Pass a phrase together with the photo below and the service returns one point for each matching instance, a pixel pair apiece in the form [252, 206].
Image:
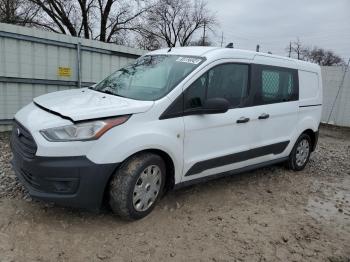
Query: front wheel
[137, 185]
[300, 154]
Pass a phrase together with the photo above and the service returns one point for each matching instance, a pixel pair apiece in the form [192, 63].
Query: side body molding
[237, 157]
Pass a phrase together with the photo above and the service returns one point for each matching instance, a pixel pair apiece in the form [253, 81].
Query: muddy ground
[268, 215]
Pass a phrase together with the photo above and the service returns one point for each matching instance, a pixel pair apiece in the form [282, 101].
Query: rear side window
[229, 81]
[275, 85]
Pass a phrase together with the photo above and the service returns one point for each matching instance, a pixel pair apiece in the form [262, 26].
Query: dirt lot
[268, 215]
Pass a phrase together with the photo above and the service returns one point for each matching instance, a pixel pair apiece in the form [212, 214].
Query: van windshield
[150, 77]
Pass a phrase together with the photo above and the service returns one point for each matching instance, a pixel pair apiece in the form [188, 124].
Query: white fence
[336, 95]
[34, 62]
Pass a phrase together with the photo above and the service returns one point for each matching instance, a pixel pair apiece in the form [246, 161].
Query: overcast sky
[273, 23]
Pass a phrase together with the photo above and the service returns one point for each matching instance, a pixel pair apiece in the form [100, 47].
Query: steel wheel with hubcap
[300, 154]
[137, 185]
[147, 188]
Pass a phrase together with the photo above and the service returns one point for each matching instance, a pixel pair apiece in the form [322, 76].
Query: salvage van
[173, 118]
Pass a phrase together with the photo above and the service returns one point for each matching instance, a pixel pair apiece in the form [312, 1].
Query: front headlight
[82, 131]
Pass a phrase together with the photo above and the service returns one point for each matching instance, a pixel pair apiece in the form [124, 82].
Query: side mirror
[215, 106]
[210, 106]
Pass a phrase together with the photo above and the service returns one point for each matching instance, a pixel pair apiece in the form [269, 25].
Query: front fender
[122, 142]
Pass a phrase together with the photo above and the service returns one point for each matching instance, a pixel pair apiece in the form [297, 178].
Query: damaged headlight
[82, 131]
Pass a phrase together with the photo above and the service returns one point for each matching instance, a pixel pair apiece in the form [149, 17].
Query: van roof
[213, 53]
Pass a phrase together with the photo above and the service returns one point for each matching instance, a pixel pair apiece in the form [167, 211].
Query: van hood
[84, 104]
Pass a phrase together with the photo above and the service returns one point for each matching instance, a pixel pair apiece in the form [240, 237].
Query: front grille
[22, 141]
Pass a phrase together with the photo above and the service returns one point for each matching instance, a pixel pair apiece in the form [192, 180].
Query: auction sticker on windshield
[189, 60]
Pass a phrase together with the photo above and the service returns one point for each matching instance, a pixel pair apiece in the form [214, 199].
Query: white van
[173, 118]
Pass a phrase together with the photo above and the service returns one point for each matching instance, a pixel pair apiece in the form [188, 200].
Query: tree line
[314, 54]
[150, 24]
[146, 24]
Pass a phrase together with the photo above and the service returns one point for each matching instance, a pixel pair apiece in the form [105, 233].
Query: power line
[277, 47]
[277, 37]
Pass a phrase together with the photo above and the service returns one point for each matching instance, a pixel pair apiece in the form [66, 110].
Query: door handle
[264, 116]
[242, 120]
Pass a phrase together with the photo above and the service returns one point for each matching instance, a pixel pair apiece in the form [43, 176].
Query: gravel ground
[271, 214]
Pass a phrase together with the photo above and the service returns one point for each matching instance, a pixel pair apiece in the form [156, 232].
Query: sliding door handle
[242, 120]
[264, 116]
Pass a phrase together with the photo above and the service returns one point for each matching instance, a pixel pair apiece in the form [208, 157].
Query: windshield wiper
[109, 92]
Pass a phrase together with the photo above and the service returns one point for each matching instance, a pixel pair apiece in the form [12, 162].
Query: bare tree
[315, 55]
[176, 21]
[197, 17]
[62, 16]
[147, 42]
[163, 21]
[157, 22]
[19, 12]
[322, 57]
[297, 49]
[86, 7]
[105, 20]
[118, 15]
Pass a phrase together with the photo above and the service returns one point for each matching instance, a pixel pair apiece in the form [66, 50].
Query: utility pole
[203, 40]
[257, 48]
[222, 38]
[290, 49]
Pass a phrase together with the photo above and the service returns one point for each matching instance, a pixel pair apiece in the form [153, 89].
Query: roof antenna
[230, 45]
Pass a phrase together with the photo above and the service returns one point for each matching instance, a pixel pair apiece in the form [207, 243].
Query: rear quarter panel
[310, 100]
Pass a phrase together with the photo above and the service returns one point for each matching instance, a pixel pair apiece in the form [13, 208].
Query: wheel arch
[169, 163]
[310, 126]
[313, 136]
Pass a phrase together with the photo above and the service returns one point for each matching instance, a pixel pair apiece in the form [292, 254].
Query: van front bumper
[67, 181]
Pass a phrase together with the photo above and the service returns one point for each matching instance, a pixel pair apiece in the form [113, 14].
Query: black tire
[292, 162]
[121, 188]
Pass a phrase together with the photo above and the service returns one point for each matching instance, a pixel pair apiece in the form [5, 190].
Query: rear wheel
[137, 185]
[300, 154]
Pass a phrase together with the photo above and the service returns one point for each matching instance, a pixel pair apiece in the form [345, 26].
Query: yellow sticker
[65, 71]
